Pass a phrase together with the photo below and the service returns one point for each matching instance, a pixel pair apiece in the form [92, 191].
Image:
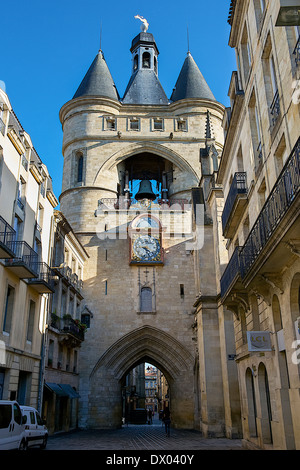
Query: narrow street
[139, 438]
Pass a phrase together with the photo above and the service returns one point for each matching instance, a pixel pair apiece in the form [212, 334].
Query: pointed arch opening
[144, 345]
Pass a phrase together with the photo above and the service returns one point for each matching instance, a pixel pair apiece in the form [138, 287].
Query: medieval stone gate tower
[136, 169]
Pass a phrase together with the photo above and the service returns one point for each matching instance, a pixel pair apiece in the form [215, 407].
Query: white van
[35, 431]
[12, 428]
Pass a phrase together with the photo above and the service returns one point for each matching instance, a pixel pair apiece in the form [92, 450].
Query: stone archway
[146, 343]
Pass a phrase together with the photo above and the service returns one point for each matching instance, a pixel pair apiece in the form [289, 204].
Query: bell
[145, 191]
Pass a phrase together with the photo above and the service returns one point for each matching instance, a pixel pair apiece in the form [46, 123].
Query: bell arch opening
[146, 175]
[146, 393]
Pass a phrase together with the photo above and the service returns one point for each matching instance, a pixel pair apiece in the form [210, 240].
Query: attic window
[134, 124]
[157, 124]
[181, 124]
[146, 60]
[110, 123]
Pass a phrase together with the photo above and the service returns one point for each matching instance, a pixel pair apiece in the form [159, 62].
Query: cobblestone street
[139, 438]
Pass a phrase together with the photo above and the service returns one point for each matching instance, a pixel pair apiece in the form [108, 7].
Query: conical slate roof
[98, 80]
[191, 83]
[144, 87]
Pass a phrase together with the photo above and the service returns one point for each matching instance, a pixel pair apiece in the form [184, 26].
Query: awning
[62, 390]
[69, 390]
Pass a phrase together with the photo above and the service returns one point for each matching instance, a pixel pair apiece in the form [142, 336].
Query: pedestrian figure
[150, 416]
[167, 421]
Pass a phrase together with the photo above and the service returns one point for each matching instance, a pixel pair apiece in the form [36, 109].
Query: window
[279, 155]
[262, 194]
[110, 123]
[18, 227]
[86, 319]
[146, 299]
[255, 131]
[30, 325]
[134, 124]
[181, 290]
[157, 124]
[80, 169]
[259, 7]
[181, 124]
[8, 310]
[146, 60]
[246, 54]
[50, 352]
[271, 86]
[135, 62]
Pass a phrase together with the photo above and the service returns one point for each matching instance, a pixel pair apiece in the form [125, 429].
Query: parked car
[12, 428]
[35, 430]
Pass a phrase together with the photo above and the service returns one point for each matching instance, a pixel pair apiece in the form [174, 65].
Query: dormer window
[158, 124]
[134, 124]
[110, 123]
[181, 125]
[146, 60]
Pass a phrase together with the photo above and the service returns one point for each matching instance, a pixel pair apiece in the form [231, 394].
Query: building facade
[136, 178]
[259, 173]
[26, 229]
[68, 319]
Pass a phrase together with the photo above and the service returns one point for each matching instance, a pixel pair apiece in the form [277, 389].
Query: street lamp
[289, 13]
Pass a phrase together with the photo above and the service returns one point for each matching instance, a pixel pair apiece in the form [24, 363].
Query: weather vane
[144, 25]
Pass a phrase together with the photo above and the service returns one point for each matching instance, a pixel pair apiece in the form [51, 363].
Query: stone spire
[98, 80]
[144, 86]
[191, 83]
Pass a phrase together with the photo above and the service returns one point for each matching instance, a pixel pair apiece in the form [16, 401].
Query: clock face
[146, 248]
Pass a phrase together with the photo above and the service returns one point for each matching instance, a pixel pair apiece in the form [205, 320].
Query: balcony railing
[280, 199]
[231, 272]
[44, 282]
[25, 261]
[238, 186]
[7, 238]
[72, 278]
[123, 203]
[68, 325]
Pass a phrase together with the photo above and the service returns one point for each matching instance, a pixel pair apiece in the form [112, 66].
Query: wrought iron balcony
[7, 238]
[235, 203]
[72, 279]
[24, 264]
[71, 330]
[70, 326]
[133, 204]
[281, 198]
[231, 273]
[44, 282]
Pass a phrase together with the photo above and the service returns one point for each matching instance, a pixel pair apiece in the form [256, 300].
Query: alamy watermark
[177, 221]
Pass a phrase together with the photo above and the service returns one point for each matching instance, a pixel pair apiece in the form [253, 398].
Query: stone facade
[26, 228]
[259, 172]
[171, 139]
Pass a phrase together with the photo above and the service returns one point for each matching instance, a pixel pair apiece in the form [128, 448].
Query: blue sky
[47, 47]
